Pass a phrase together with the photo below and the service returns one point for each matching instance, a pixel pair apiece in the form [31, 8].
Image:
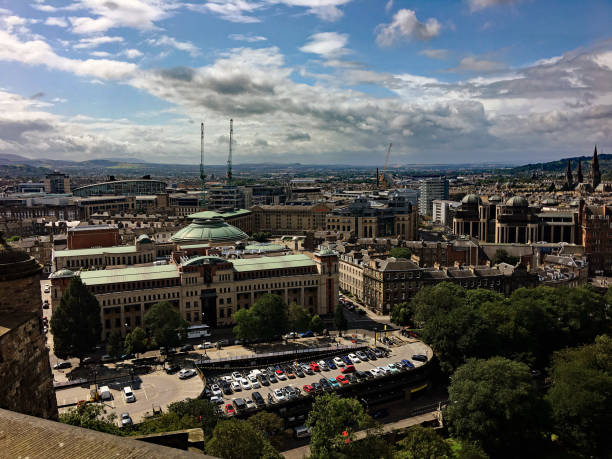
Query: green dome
[210, 230]
[144, 239]
[471, 199]
[517, 201]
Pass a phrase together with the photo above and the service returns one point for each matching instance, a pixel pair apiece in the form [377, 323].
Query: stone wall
[21, 295]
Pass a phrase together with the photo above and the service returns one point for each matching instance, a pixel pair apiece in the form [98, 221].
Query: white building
[432, 189]
[441, 211]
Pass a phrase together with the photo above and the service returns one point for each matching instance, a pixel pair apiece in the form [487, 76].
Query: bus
[198, 331]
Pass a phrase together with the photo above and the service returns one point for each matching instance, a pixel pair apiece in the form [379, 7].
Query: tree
[495, 404]
[267, 319]
[135, 341]
[402, 314]
[165, 422]
[316, 324]
[236, 439]
[299, 318]
[328, 419]
[580, 397]
[166, 325]
[261, 236]
[339, 319]
[502, 256]
[114, 344]
[270, 425]
[202, 410]
[91, 416]
[400, 252]
[422, 443]
[75, 323]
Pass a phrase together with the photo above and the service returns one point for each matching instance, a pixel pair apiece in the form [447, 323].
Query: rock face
[26, 380]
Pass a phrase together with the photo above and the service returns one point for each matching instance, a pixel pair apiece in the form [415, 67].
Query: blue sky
[314, 81]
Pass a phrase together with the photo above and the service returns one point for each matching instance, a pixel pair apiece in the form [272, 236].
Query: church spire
[569, 180]
[594, 174]
[579, 175]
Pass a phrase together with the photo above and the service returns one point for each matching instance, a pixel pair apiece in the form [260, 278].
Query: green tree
[267, 319]
[91, 416]
[165, 422]
[299, 318]
[339, 319]
[316, 324]
[202, 410]
[462, 450]
[166, 325]
[135, 341]
[75, 323]
[328, 419]
[114, 344]
[402, 314]
[423, 443]
[236, 439]
[502, 256]
[270, 425]
[261, 236]
[495, 404]
[581, 397]
[400, 252]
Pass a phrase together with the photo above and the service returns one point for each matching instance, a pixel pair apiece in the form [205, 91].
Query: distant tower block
[202, 175]
[229, 159]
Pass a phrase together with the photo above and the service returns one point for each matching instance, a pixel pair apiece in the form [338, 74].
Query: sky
[309, 81]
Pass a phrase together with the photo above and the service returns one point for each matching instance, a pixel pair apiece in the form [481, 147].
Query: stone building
[279, 220]
[595, 235]
[85, 237]
[26, 381]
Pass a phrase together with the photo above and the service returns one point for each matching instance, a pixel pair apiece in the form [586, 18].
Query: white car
[384, 370]
[249, 403]
[338, 361]
[354, 358]
[216, 390]
[245, 384]
[236, 386]
[47, 288]
[281, 376]
[322, 365]
[186, 373]
[375, 372]
[254, 382]
[237, 376]
[216, 400]
[279, 395]
[206, 345]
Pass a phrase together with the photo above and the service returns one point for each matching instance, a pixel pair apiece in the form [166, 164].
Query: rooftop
[134, 274]
[263, 263]
[92, 227]
[94, 251]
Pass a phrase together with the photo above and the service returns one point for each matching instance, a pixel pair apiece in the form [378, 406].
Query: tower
[569, 180]
[202, 175]
[594, 174]
[579, 176]
[229, 159]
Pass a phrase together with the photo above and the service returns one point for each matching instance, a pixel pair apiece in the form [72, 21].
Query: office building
[432, 189]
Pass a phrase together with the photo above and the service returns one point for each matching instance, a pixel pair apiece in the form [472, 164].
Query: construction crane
[229, 159]
[382, 176]
[202, 175]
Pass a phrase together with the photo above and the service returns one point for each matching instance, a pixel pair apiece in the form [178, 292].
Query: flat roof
[134, 274]
[94, 251]
[93, 227]
[264, 263]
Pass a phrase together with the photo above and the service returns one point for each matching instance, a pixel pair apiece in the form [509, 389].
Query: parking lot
[397, 353]
[156, 388]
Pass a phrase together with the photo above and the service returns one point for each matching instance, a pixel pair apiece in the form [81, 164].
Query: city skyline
[309, 81]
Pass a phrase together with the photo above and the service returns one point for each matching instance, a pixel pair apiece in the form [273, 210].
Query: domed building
[467, 217]
[212, 230]
[516, 222]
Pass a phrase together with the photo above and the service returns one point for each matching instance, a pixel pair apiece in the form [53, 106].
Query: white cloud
[327, 44]
[165, 40]
[56, 21]
[477, 5]
[476, 65]
[38, 52]
[435, 53]
[101, 54]
[405, 25]
[230, 10]
[131, 53]
[247, 38]
[389, 6]
[326, 10]
[94, 42]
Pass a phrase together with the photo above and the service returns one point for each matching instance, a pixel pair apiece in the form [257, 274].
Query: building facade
[290, 219]
[122, 188]
[432, 189]
[57, 183]
[596, 236]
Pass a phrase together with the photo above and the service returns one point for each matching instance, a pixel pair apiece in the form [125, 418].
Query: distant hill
[559, 166]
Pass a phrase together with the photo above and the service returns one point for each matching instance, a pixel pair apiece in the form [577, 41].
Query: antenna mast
[202, 175]
[229, 160]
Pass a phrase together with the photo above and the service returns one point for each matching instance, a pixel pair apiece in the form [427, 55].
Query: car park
[338, 361]
[186, 373]
[419, 357]
[126, 420]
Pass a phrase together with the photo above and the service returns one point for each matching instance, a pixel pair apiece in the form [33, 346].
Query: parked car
[376, 372]
[338, 361]
[229, 409]
[331, 364]
[361, 375]
[280, 374]
[126, 420]
[393, 368]
[128, 394]
[216, 400]
[324, 384]
[216, 390]
[240, 404]
[105, 393]
[317, 387]
[314, 366]
[172, 368]
[299, 373]
[87, 361]
[307, 334]
[45, 305]
[206, 345]
[308, 388]
[419, 357]
[362, 356]
[306, 369]
[382, 413]
[186, 373]
[254, 381]
[354, 358]
[187, 348]
[348, 369]
[279, 395]
[235, 385]
[244, 383]
[250, 404]
[62, 365]
[225, 386]
[323, 365]
[332, 382]
[258, 399]
[342, 379]
[272, 378]
[347, 360]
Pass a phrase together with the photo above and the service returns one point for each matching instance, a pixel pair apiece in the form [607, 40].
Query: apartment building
[290, 219]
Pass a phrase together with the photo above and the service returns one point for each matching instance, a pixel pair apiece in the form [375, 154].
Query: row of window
[137, 299]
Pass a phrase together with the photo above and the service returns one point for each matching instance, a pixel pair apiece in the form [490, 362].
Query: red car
[348, 369]
[308, 388]
[315, 366]
[229, 409]
[342, 380]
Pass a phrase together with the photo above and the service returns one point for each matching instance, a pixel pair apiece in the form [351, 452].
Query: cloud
[405, 25]
[435, 53]
[389, 6]
[471, 64]
[327, 44]
[56, 21]
[38, 95]
[131, 53]
[166, 41]
[326, 10]
[230, 10]
[38, 52]
[298, 137]
[478, 5]
[94, 42]
[247, 38]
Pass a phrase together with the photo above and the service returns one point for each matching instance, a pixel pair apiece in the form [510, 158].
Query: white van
[105, 393]
[301, 432]
[128, 394]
